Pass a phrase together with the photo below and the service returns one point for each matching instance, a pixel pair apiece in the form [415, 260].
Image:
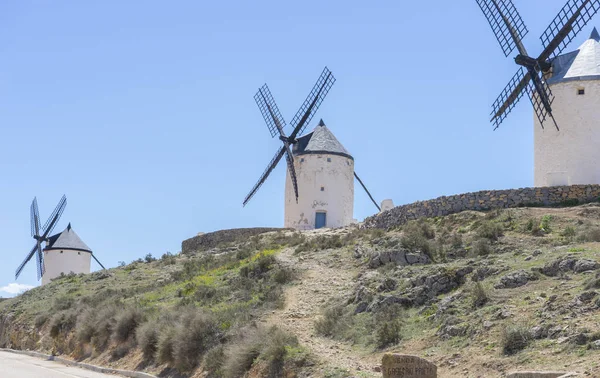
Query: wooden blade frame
[505, 21]
[266, 174]
[366, 190]
[566, 25]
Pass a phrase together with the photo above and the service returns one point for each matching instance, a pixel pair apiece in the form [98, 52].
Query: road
[20, 366]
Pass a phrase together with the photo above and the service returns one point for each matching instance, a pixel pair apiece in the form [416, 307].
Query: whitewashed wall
[66, 262]
[572, 155]
[337, 200]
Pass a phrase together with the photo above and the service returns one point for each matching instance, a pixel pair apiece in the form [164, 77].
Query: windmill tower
[319, 189]
[562, 88]
[63, 253]
[572, 155]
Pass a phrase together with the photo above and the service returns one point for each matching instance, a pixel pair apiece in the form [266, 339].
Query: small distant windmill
[66, 245]
[319, 144]
[531, 77]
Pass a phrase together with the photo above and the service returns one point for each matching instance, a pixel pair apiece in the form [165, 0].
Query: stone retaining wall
[486, 200]
[213, 239]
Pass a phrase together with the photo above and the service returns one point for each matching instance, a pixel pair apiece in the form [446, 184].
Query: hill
[477, 293]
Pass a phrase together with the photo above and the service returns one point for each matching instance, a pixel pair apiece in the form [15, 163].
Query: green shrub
[331, 322]
[40, 320]
[147, 338]
[481, 247]
[569, 202]
[104, 326]
[62, 303]
[62, 322]
[282, 275]
[490, 230]
[126, 323]
[417, 236]
[568, 232]
[164, 346]
[591, 234]
[86, 327]
[214, 360]
[479, 295]
[388, 333]
[514, 339]
[195, 334]
[545, 224]
[268, 345]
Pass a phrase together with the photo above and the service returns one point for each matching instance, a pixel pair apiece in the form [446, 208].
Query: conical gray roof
[320, 141]
[67, 239]
[581, 64]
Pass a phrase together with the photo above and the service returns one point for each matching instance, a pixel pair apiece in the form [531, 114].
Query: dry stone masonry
[213, 239]
[486, 200]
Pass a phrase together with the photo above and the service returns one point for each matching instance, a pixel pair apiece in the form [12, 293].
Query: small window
[79, 253]
[581, 91]
[301, 160]
[329, 160]
[322, 188]
[61, 251]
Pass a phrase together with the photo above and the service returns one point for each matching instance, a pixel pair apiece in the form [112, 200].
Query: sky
[142, 112]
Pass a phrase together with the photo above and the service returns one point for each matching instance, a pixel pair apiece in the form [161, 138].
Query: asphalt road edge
[97, 369]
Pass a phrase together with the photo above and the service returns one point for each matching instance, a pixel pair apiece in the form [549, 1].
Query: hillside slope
[479, 294]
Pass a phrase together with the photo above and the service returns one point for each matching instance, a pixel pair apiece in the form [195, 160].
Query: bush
[268, 345]
[388, 333]
[479, 296]
[417, 236]
[149, 258]
[40, 320]
[214, 360]
[62, 322]
[196, 333]
[331, 322]
[545, 224]
[490, 230]
[283, 275]
[481, 247]
[589, 235]
[568, 232]
[126, 323]
[164, 346]
[104, 325]
[86, 327]
[62, 303]
[514, 339]
[147, 338]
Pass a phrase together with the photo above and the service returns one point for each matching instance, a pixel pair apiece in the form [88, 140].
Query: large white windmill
[63, 253]
[320, 171]
[564, 88]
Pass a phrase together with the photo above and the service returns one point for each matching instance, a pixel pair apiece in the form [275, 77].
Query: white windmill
[63, 253]
[562, 87]
[320, 171]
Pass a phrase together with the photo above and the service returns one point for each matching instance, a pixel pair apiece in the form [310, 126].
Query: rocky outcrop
[568, 263]
[515, 279]
[398, 257]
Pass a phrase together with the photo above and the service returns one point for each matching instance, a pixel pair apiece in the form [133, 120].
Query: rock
[587, 296]
[361, 307]
[515, 279]
[537, 252]
[539, 332]
[388, 284]
[484, 272]
[595, 345]
[407, 366]
[487, 325]
[568, 263]
[398, 257]
[585, 265]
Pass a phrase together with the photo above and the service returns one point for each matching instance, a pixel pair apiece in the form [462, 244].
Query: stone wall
[213, 239]
[485, 200]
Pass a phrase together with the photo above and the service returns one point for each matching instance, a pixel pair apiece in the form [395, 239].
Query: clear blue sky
[142, 112]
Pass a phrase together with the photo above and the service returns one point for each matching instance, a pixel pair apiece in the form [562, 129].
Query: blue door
[320, 219]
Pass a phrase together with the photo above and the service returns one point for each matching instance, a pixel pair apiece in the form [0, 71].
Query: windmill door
[320, 219]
